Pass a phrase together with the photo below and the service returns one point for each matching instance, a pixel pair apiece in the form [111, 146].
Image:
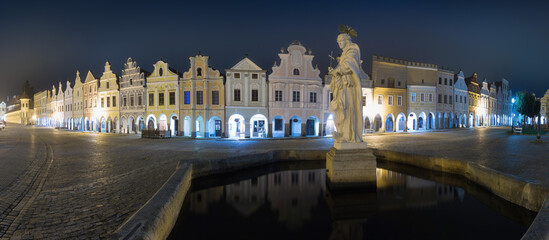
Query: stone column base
[350, 168]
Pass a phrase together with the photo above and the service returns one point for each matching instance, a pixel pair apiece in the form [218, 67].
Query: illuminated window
[108, 102]
[187, 97]
[254, 76]
[102, 103]
[414, 97]
[236, 75]
[390, 100]
[379, 99]
[399, 100]
[422, 97]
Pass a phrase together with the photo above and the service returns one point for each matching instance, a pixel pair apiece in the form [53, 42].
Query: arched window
[199, 72]
[296, 71]
[160, 72]
[131, 81]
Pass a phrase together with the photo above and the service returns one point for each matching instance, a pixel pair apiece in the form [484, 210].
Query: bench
[369, 131]
[517, 130]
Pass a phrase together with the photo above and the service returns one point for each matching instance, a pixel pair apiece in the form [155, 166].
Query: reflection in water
[296, 205]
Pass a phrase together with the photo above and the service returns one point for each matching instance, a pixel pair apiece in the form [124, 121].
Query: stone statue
[346, 104]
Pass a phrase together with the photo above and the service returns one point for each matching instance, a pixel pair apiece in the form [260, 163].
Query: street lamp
[513, 117]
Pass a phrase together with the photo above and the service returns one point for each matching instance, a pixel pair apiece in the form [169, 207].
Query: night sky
[46, 43]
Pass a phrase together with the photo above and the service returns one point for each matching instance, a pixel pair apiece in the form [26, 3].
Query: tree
[526, 104]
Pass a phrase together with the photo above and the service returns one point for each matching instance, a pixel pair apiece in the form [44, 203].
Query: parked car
[2, 125]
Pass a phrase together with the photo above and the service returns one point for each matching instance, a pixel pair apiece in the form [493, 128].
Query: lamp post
[513, 115]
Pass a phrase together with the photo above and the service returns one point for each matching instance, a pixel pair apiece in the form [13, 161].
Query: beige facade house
[388, 111]
[107, 107]
[78, 103]
[59, 112]
[162, 99]
[90, 103]
[68, 107]
[41, 108]
[246, 101]
[132, 98]
[445, 117]
[422, 82]
[295, 94]
[202, 100]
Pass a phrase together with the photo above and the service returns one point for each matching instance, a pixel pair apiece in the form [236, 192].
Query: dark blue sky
[46, 42]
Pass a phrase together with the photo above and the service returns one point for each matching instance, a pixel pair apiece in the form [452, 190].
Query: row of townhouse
[201, 102]
[412, 96]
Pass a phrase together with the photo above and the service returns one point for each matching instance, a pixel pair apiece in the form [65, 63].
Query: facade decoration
[202, 100]
[246, 112]
[295, 94]
[162, 99]
[132, 98]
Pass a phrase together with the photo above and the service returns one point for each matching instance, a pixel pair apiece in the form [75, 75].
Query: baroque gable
[247, 65]
[296, 63]
[200, 69]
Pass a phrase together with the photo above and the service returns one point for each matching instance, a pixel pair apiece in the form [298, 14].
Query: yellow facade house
[90, 103]
[162, 98]
[202, 100]
[107, 111]
[474, 100]
[389, 108]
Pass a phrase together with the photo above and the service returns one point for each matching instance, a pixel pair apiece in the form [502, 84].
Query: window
[114, 101]
[414, 97]
[236, 75]
[450, 99]
[236, 95]
[296, 96]
[382, 81]
[331, 96]
[451, 82]
[254, 76]
[187, 97]
[312, 97]
[363, 101]
[440, 98]
[131, 100]
[460, 99]
[108, 102]
[296, 71]
[172, 98]
[199, 97]
[139, 102]
[107, 84]
[278, 124]
[399, 100]
[446, 81]
[445, 99]
[456, 98]
[161, 99]
[430, 97]
[215, 97]
[102, 102]
[379, 99]
[390, 100]
[199, 72]
[398, 83]
[124, 101]
[160, 72]
[422, 97]
[255, 95]
[278, 96]
[151, 99]
[440, 80]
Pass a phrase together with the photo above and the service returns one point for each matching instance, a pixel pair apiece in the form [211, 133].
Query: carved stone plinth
[350, 168]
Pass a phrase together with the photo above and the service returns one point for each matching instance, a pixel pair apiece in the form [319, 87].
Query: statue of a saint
[346, 104]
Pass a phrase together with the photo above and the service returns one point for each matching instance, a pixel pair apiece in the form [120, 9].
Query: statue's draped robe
[347, 92]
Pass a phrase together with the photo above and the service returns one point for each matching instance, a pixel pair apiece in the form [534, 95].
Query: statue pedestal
[350, 167]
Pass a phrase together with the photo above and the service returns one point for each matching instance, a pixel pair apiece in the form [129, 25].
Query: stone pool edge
[157, 217]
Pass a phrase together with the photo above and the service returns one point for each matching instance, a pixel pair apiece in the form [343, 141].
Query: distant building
[132, 98]
[78, 103]
[421, 84]
[90, 103]
[68, 107]
[108, 111]
[460, 104]
[246, 101]
[202, 102]
[446, 118]
[474, 100]
[388, 111]
[295, 94]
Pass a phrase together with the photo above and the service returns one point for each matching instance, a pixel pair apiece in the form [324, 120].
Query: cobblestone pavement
[60, 184]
